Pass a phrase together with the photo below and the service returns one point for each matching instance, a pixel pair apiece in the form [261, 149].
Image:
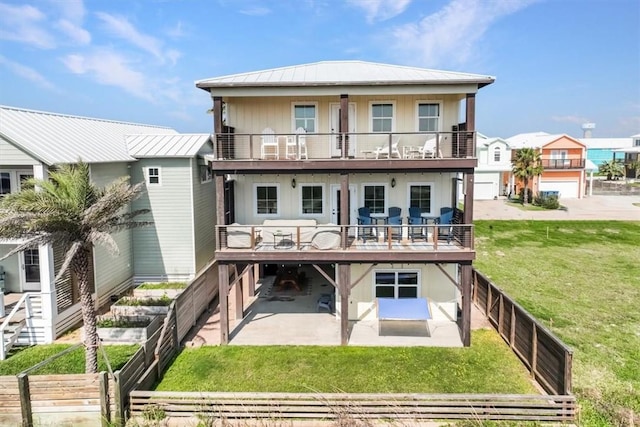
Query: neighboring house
[492, 177]
[563, 160]
[600, 150]
[34, 142]
[631, 155]
[298, 150]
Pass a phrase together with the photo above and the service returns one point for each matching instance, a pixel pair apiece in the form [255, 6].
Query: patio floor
[294, 320]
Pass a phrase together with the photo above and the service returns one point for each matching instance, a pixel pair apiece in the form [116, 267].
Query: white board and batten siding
[165, 249]
[204, 217]
[567, 189]
[13, 156]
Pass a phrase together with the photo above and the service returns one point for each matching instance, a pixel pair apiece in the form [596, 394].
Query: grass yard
[71, 363]
[487, 367]
[582, 279]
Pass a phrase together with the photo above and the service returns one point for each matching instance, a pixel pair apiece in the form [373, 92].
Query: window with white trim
[153, 175]
[305, 116]
[396, 284]
[636, 142]
[266, 199]
[428, 117]
[5, 183]
[497, 154]
[420, 196]
[374, 198]
[206, 174]
[312, 199]
[381, 117]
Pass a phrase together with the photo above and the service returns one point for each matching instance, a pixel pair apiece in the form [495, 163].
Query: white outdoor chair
[297, 145]
[269, 145]
[429, 147]
[383, 150]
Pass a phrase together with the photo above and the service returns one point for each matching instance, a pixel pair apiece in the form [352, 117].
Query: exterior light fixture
[393, 182]
[293, 183]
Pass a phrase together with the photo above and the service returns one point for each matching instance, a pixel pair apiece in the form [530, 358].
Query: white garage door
[567, 189]
[484, 190]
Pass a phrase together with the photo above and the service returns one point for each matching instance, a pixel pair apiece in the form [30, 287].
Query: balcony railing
[316, 146]
[322, 238]
[563, 163]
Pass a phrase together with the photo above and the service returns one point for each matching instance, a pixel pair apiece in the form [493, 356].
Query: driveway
[589, 208]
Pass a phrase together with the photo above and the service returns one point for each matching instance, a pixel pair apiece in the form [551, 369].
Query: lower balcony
[566, 163]
[350, 243]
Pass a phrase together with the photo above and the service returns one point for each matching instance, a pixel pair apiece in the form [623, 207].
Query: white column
[591, 183]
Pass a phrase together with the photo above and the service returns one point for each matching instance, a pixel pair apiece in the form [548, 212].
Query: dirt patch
[71, 337]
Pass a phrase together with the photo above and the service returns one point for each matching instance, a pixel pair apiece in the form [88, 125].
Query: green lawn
[71, 363]
[582, 279]
[488, 366]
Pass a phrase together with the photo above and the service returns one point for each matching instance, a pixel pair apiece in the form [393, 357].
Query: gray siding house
[34, 142]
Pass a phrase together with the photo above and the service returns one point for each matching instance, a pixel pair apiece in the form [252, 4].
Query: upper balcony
[352, 151]
[563, 163]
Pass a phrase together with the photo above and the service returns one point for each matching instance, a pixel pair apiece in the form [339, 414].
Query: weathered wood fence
[103, 398]
[320, 406]
[547, 358]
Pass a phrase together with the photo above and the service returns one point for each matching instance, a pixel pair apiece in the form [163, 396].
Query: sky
[557, 63]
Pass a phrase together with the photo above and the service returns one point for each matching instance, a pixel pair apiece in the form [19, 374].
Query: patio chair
[364, 219]
[430, 147]
[444, 227]
[394, 227]
[269, 144]
[416, 220]
[325, 302]
[383, 150]
[395, 211]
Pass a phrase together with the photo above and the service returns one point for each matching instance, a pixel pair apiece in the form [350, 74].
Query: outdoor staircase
[17, 327]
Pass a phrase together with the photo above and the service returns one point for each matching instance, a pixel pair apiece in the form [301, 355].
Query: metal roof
[537, 139]
[57, 138]
[181, 145]
[607, 142]
[336, 73]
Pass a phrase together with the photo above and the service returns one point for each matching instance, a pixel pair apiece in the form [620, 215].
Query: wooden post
[117, 394]
[470, 121]
[251, 287]
[512, 334]
[467, 215]
[239, 303]
[487, 308]
[223, 294]
[344, 271]
[466, 304]
[105, 410]
[344, 125]
[568, 366]
[501, 315]
[534, 350]
[344, 209]
[25, 400]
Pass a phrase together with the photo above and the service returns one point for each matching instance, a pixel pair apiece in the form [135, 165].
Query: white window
[428, 116]
[421, 196]
[396, 283]
[559, 158]
[305, 116]
[153, 175]
[312, 199]
[375, 198]
[497, 154]
[382, 117]
[266, 199]
[5, 183]
[636, 142]
[205, 174]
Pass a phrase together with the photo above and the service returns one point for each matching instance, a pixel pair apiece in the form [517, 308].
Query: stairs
[17, 327]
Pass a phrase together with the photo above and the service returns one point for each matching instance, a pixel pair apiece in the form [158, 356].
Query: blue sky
[557, 63]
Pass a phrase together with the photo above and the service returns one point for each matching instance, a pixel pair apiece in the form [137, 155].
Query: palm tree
[613, 169]
[526, 164]
[69, 210]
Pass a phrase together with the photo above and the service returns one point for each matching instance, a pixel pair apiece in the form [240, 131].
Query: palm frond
[68, 259]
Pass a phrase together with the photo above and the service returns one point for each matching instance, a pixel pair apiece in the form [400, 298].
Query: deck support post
[344, 208]
[238, 293]
[344, 278]
[465, 327]
[344, 125]
[251, 281]
[223, 294]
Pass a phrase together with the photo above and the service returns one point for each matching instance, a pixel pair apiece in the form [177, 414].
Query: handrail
[24, 300]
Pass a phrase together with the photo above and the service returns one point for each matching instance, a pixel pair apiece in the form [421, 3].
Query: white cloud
[111, 69]
[27, 73]
[570, 119]
[120, 27]
[176, 32]
[256, 11]
[450, 35]
[24, 24]
[381, 10]
[76, 33]
[71, 10]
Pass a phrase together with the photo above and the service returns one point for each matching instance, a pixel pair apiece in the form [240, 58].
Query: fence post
[512, 333]
[568, 367]
[501, 315]
[119, 421]
[25, 400]
[105, 410]
[534, 350]
[488, 306]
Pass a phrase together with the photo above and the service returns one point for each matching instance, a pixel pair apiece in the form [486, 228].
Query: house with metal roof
[493, 173]
[178, 192]
[600, 150]
[563, 159]
[349, 170]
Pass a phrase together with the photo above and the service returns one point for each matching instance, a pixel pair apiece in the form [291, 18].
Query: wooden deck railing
[570, 163]
[547, 358]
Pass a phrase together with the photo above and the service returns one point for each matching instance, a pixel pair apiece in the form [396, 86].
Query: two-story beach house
[350, 168]
[178, 191]
[563, 159]
[493, 174]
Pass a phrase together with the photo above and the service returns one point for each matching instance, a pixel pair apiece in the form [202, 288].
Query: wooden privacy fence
[318, 406]
[548, 359]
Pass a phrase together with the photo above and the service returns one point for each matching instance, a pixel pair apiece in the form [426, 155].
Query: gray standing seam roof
[180, 145]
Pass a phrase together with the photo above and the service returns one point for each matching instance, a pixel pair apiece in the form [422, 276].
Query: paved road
[589, 208]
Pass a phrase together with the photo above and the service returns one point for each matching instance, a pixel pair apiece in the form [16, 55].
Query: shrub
[163, 285]
[123, 322]
[546, 201]
[529, 194]
[162, 301]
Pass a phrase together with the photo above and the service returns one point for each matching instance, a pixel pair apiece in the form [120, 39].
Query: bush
[546, 201]
[163, 285]
[162, 301]
[521, 195]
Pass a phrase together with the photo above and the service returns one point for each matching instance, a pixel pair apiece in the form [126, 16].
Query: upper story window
[497, 154]
[266, 199]
[153, 175]
[382, 117]
[206, 174]
[428, 117]
[312, 199]
[374, 198]
[396, 284]
[420, 196]
[5, 183]
[636, 142]
[305, 116]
